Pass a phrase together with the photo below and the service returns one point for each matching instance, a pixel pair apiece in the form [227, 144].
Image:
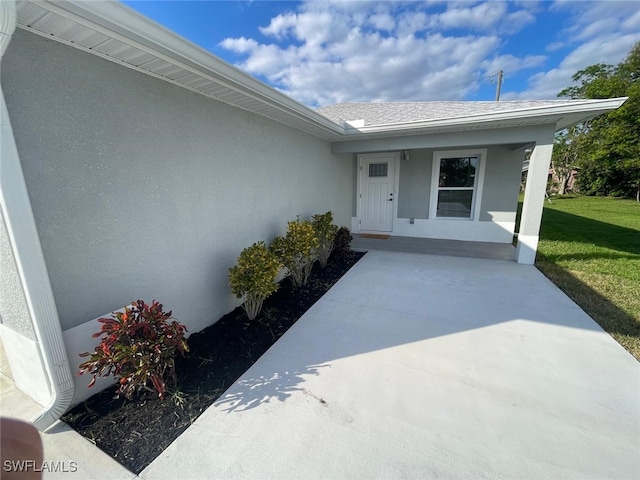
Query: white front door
[377, 191]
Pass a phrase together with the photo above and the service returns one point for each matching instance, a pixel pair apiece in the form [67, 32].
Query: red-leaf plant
[138, 346]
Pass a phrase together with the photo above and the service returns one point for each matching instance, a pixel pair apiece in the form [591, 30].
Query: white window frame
[481, 153]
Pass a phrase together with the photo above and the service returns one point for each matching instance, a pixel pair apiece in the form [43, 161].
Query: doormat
[374, 235]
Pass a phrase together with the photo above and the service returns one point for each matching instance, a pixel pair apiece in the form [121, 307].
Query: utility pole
[499, 84]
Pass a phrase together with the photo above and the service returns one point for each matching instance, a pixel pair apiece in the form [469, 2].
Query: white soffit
[114, 32]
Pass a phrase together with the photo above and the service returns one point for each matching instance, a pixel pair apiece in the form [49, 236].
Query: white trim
[120, 22]
[396, 186]
[80, 339]
[526, 249]
[7, 24]
[117, 21]
[27, 365]
[489, 231]
[25, 243]
[355, 222]
[481, 153]
[47, 360]
[545, 114]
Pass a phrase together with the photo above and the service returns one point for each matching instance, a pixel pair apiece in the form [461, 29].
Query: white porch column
[534, 196]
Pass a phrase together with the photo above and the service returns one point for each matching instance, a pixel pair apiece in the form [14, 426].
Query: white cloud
[600, 32]
[632, 23]
[382, 21]
[491, 17]
[280, 26]
[412, 22]
[239, 45]
[552, 47]
[332, 51]
[512, 64]
[478, 17]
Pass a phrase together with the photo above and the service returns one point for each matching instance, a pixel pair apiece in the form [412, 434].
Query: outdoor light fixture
[405, 154]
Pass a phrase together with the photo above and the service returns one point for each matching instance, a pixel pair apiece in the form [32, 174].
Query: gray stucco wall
[141, 189]
[500, 190]
[415, 184]
[14, 313]
[501, 184]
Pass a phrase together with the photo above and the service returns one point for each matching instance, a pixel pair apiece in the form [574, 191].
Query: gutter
[116, 20]
[120, 23]
[592, 107]
[27, 250]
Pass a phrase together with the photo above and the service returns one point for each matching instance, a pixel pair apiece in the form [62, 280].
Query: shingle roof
[116, 33]
[384, 113]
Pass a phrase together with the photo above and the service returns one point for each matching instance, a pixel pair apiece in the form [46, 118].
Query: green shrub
[326, 232]
[254, 277]
[138, 347]
[342, 241]
[297, 250]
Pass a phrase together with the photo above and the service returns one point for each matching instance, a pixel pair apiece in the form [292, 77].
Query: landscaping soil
[135, 432]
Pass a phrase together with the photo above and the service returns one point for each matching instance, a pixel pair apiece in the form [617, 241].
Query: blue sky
[324, 51]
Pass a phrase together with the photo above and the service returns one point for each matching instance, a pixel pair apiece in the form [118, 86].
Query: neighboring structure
[556, 181]
[137, 165]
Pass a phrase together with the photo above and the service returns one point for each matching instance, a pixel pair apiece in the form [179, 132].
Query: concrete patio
[424, 366]
[436, 246]
[412, 366]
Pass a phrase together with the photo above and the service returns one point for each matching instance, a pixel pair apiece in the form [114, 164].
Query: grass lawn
[590, 248]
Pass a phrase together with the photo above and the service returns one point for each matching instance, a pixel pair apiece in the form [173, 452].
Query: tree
[566, 155]
[608, 147]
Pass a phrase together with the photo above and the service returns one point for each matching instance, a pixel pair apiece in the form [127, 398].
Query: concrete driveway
[420, 366]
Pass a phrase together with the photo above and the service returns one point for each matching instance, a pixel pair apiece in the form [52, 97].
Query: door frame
[396, 184]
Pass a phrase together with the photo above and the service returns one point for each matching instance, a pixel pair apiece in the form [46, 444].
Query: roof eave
[563, 116]
[116, 20]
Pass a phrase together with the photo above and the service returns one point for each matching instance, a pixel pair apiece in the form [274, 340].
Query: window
[378, 169]
[456, 180]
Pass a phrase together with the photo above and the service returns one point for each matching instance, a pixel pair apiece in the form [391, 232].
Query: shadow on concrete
[387, 307]
[378, 306]
[253, 392]
[608, 315]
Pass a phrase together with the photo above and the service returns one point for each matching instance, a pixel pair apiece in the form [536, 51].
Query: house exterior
[137, 165]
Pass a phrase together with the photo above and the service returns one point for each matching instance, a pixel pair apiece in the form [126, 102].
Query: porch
[432, 246]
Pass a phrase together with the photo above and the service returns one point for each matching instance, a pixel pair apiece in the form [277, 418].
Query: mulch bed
[135, 432]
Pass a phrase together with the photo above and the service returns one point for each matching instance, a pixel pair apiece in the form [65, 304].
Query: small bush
[254, 277]
[138, 346]
[342, 241]
[326, 232]
[297, 250]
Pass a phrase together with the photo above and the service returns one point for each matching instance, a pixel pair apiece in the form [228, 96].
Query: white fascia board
[118, 21]
[584, 110]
